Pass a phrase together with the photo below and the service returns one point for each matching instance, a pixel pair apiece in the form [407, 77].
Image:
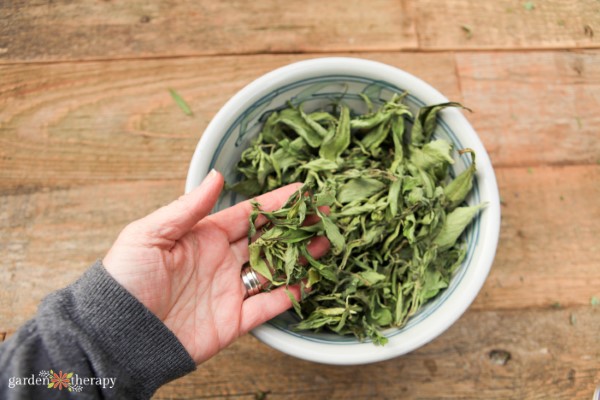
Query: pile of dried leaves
[394, 218]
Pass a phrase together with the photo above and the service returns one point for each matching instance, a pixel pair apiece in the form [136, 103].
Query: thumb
[174, 220]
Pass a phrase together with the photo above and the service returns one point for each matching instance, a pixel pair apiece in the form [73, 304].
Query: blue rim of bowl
[472, 234]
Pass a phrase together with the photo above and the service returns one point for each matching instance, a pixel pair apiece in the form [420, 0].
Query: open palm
[184, 265]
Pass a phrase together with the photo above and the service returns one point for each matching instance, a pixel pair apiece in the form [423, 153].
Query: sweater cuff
[126, 330]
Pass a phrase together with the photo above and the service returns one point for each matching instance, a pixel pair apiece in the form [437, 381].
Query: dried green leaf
[258, 263]
[468, 30]
[294, 302]
[529, 5]
[374, 138]
[313, 277]
[292, 118]
[426, 122]
[359, 189]
[320, 164]
[455, 224]
[337, 140]
[181, 103]
[333, 234]
[371, 277]
[458, 189]
[432, 154]
[291, 259]
[393, 196]
[324, 198]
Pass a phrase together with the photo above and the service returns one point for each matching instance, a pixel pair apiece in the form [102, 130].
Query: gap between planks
[317, 53]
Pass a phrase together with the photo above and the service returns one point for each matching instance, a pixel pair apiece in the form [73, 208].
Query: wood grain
[506, 24]
[64, 30]
[549, 359]
[76, 123]
[548, 251]
[90, 140]
[534, 108]
[90, 30]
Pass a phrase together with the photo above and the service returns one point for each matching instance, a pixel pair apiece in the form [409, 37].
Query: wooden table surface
[90, 140]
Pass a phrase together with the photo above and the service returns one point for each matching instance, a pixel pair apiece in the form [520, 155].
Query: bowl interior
[320, 93]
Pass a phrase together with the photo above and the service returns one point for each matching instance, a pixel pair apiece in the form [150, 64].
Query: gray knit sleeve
[95, 329]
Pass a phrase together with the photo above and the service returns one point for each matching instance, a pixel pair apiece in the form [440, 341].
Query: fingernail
[211, 175]
[209, 178]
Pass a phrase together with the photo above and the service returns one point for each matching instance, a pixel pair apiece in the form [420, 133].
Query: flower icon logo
[60, 380]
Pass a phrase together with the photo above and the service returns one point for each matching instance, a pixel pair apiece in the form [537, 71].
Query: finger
[234, 221]
[314, 218]
[174, 220]
[318, 247]
[258, 309]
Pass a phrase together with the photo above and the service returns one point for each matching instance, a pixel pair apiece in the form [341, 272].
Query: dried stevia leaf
[359, 189]
[293, 119]
[455, 224]
[333, 233]
[181, 103]
[457, 190]
[337, 140]
[432, 154]
[426, 122]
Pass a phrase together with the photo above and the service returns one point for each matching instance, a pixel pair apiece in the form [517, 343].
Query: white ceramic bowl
[316, 83]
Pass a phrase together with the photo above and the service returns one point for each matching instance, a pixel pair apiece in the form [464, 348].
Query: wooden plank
[58, 31]
[76, 123]
[90, 30]
[506, 24]
[548, 252]
[549, 359]
[534, 108]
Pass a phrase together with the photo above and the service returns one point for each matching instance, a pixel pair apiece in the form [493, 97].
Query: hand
[184, 265]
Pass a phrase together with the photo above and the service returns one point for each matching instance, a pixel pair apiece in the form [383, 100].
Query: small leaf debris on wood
[468, 30]
[181, 103]
[261, 395]
[529, 6]
[588, 30]
[499, 357]
[395, 217]
[595, 301]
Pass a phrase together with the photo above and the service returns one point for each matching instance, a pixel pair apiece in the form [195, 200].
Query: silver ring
[251, 282]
